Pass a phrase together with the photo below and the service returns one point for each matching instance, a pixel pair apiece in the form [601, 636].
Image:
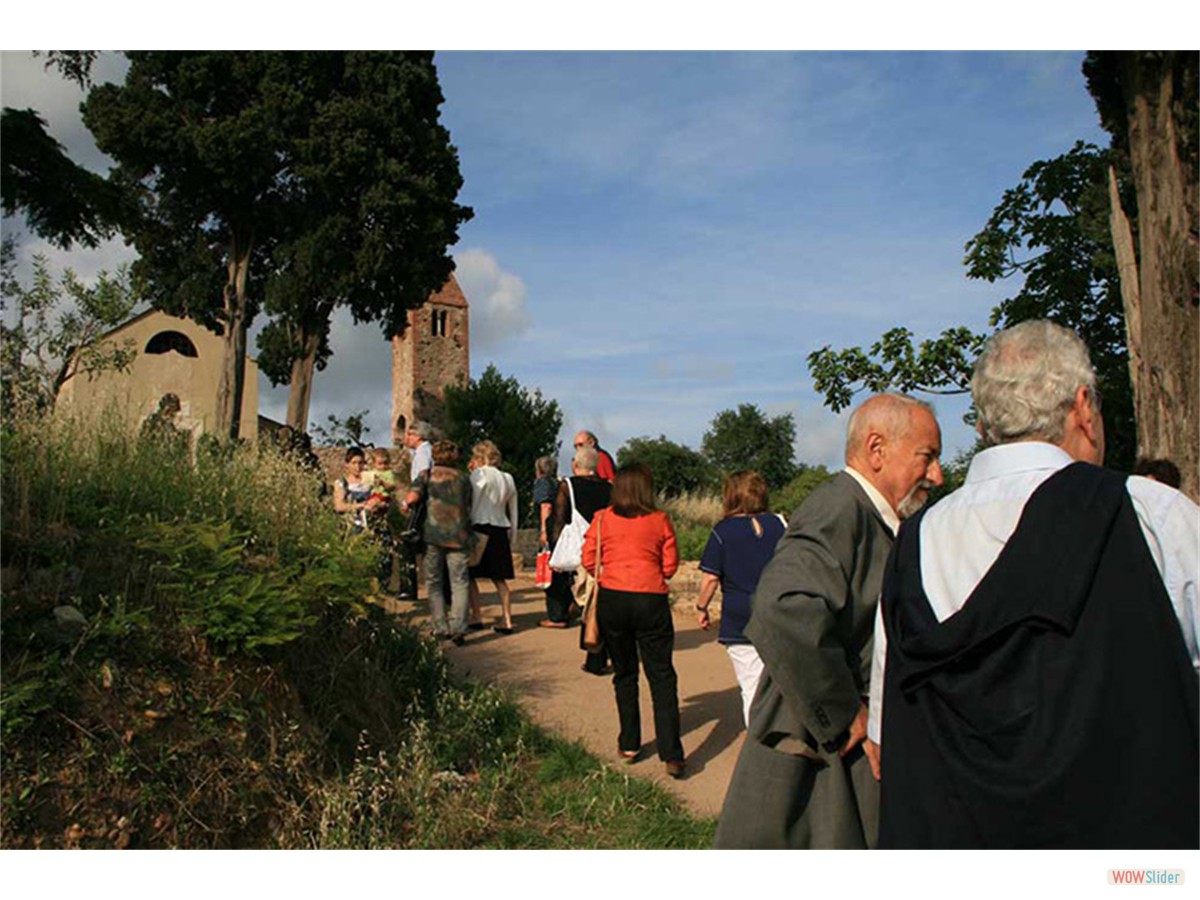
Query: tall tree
[745, 438]
[1148, 101]
[370, 210]
[520, 421]
[1051, 231]
[676, 468]
[198, 139]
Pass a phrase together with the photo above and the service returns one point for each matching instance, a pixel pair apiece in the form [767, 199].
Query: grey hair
[586, 458]
[545, 466]
[423, 430]
[1026, 379]
[889, 414]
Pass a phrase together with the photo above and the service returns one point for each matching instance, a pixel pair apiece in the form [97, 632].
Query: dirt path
[541, 667]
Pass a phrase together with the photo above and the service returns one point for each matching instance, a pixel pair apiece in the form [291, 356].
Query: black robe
[1058, 707]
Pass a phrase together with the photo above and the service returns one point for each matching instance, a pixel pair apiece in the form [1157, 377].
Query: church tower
[432, 353]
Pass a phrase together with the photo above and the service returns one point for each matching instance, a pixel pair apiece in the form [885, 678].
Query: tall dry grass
[699, 509]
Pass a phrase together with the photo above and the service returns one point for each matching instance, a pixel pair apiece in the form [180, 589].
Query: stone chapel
[433, 352]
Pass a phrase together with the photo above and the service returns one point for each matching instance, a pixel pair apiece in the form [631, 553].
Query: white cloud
[496, 296]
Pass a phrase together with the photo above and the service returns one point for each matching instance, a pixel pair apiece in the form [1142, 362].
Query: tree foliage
[50, 327]
[676, 468]
[197, 140]
[940, 365]
[1050, 231]
[60, 200]
[350, 431]
[788, 498]
[520, 421]
[745, 438]
[298, 181]
[369, 208]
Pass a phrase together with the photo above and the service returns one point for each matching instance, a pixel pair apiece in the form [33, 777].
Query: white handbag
[568, 551]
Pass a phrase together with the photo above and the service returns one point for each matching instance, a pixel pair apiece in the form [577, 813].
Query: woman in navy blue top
[738, 550]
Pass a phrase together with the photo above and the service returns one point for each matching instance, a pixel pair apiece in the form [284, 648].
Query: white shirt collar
[1020, 456]
[881, 505]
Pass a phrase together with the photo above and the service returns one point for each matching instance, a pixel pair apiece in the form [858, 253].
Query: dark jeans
[632, 625]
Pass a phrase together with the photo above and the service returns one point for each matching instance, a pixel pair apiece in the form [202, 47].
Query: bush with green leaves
[785, 500]
[676, 468]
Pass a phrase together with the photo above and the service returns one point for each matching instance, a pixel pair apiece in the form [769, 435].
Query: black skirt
[497, 555]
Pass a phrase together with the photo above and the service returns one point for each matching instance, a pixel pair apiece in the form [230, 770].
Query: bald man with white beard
[803, 779]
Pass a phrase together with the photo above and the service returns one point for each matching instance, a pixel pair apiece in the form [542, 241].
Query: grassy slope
[230, 688]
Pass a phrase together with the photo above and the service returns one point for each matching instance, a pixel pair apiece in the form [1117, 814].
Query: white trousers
[748, 667]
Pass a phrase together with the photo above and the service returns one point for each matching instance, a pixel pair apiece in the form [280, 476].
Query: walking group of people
[463, 523]
[1016, 666]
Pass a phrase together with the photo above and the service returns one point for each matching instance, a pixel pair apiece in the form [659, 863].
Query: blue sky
[660, 236]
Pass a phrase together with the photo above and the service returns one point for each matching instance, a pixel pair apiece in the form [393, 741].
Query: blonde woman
[493, 513]
[738, 550]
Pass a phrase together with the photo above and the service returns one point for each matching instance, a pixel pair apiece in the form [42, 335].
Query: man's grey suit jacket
[812, 623]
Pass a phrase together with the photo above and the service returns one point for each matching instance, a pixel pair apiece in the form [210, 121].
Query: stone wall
[684, 586]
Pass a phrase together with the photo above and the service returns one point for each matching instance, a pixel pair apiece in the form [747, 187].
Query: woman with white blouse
[493, 513]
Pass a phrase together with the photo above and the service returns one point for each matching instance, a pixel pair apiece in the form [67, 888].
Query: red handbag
[544, 572]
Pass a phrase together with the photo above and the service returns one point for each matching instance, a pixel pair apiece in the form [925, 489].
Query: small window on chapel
[168, 341]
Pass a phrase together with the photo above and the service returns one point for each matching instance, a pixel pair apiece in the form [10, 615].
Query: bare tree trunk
[231, 386]
[300, 385]
[1122, 238]
[1167, 380]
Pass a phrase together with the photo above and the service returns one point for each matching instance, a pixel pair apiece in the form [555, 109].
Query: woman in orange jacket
[638, 555]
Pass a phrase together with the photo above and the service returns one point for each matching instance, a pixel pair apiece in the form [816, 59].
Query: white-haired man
[1038, 688]
[802, 779]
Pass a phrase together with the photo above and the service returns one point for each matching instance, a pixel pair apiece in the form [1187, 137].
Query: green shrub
[691, 540]
[790, 496]
[231, 688]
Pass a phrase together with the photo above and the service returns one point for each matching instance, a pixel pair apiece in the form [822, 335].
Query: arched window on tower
[442, 316]
[168, 341]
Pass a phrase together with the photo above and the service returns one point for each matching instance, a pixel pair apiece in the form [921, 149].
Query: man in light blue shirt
[1030, 686]
[1033, 433]
[417, 439]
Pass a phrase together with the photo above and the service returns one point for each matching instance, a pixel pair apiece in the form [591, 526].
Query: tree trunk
[1167, 380]
[232, 383]
[1123, 247]
[300, 385]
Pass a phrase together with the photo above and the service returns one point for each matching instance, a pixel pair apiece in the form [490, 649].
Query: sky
[659, 236]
